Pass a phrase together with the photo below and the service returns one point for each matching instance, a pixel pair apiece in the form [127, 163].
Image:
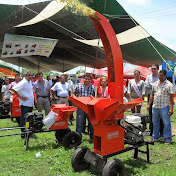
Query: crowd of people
[158, 89]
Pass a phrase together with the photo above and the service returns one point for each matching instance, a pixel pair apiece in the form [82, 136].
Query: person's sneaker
[167, 143]
[152, 140]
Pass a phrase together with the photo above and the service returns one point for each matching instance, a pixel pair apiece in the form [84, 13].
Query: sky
[157, 17]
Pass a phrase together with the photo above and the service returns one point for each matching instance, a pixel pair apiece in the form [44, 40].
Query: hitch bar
[16, 134]
[11, 128]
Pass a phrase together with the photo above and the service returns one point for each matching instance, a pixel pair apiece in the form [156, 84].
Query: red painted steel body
[63, 112]
[15, 107]
[103, 112]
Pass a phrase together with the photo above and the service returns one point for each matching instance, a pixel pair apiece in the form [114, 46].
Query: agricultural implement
[111, 130]
[35, 124]
[10, 110]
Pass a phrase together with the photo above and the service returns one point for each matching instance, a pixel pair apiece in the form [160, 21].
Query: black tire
[113, 168]
[78, 162]
[72, 139]
[59, 134]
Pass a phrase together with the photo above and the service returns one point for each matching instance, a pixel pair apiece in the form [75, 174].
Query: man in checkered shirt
[162, 97]
[84, 89]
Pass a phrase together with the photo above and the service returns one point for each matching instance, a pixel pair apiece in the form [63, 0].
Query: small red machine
[15, 108]
[56, 120]
[107, 113]
[10, 110]
[35, 123]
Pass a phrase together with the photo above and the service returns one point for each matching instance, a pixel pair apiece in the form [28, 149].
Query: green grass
[55, 160]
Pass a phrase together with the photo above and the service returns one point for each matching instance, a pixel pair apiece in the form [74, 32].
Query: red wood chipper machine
[56, 120]
[111, 130]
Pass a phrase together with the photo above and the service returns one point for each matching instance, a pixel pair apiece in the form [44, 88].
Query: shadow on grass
[50, 145]
[131, 164]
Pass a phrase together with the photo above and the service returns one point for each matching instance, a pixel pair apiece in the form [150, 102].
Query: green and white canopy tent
[78, 40]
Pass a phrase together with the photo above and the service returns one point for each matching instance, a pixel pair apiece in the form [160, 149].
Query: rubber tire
[59, 134]
[113, 168]
[71, 139]
[77, 161]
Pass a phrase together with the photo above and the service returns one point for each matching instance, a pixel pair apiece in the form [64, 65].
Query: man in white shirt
[5, 90]
[25, 93]
[49, 80]
[63, 91]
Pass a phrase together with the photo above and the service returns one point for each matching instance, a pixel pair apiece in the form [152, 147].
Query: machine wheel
[72, 139]
[114, 167]
[78, 162]
[61, 133]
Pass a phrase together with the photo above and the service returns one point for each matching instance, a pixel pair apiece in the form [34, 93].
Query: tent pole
[63, 63]
[19, 64]
[38, 66]
[173, 81]
[86, 61]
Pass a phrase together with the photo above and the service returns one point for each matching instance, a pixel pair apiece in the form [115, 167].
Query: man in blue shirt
[41, 89]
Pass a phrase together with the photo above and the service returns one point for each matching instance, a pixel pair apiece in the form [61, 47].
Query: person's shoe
[167, 143]
[161, 135]
[152, 140]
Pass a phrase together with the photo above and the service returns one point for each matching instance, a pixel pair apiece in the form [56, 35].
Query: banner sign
[165, 67]
[21, 45]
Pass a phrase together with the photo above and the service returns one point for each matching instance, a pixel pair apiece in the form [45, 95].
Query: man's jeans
[163, 113]
[80, 114]
[151, 123]
[24, 111]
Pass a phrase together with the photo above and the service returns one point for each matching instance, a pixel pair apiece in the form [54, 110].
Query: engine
[4, 108]
[35, 120]
[135, 126]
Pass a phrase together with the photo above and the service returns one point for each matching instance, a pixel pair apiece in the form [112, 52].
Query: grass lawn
[55, 160]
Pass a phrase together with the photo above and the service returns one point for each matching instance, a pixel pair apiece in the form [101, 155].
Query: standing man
[84, 89]
[25, 93]
[49, 80]
[5, 90]
[63, 91]
[152, 78]
[162, 97]
[41, 89]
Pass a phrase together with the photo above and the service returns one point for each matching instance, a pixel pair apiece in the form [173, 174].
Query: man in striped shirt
[84, 89]
[162, 97]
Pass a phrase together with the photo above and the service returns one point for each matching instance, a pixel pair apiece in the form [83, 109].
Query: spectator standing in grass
[136, 90]
[17, 80]
[5, 90]
[62, 89]
[103, 85]
[42, 89]
[25, 93]
[150, 80]
[162, 98]
[84, 89]
[49, 80]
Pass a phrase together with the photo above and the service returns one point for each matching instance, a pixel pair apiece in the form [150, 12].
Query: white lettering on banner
[17, 110]
[113, 135]
[59, 123]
